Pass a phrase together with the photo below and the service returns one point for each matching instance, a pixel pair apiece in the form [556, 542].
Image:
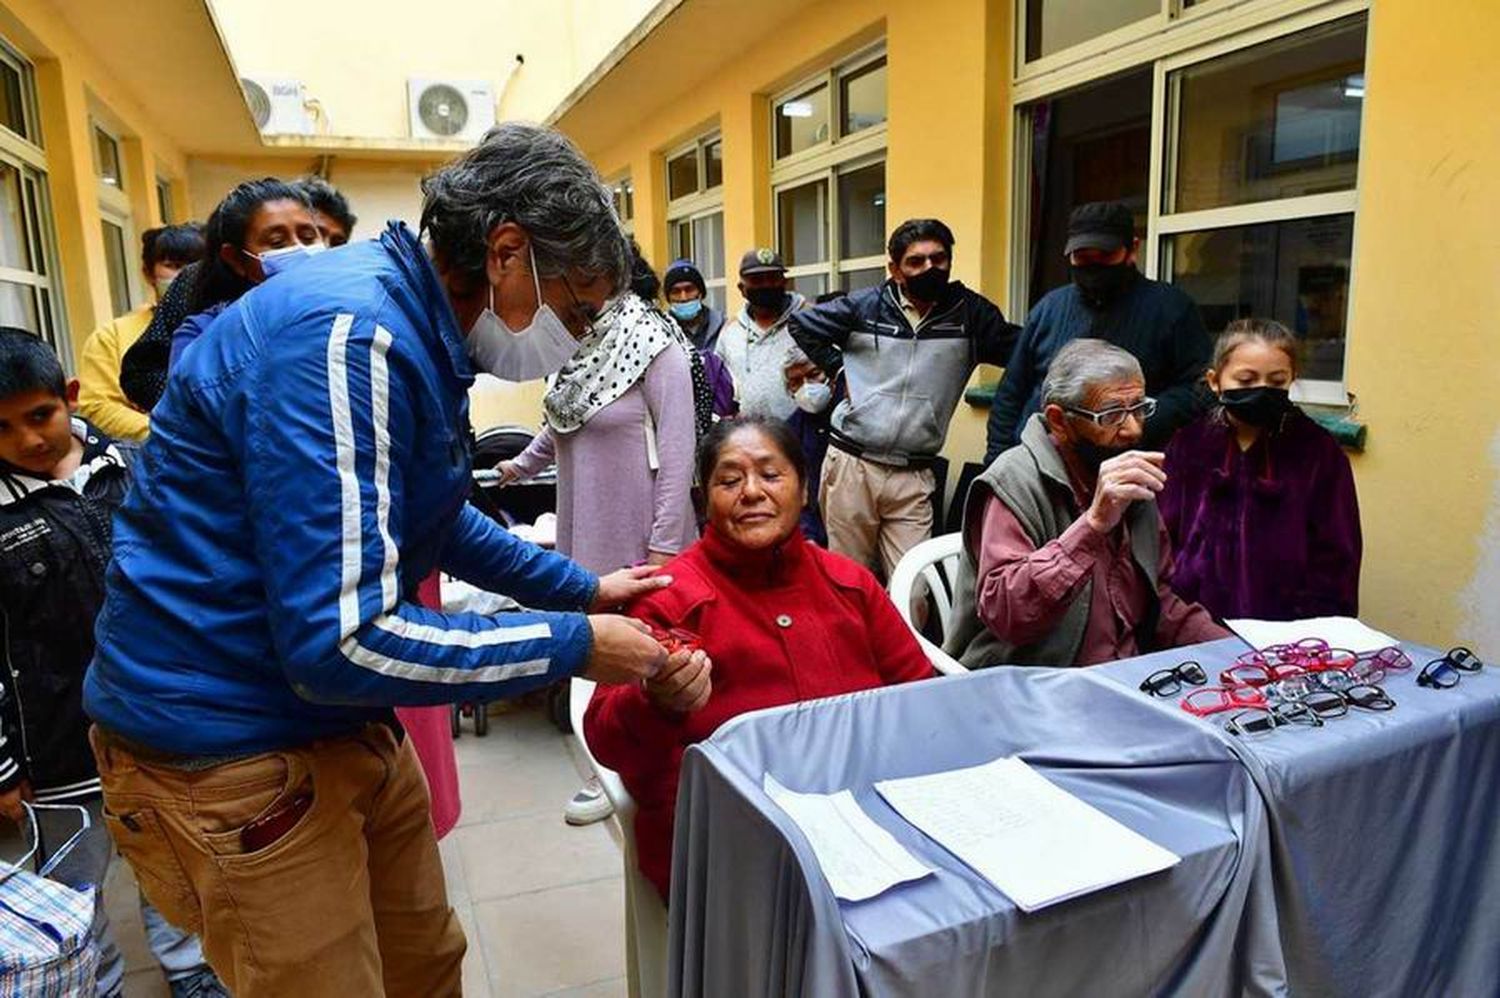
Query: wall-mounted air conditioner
[278, 104]
[450, 109]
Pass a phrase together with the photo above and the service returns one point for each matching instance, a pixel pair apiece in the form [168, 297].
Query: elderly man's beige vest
[1032, 481]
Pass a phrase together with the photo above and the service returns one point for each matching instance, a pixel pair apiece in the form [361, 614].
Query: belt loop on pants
[910, 462]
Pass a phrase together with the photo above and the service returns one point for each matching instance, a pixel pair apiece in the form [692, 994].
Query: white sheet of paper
[859, 858]
[1339, 632]
[1034, 841]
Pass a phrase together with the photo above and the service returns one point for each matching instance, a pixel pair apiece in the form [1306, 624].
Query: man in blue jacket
[1108, 299]
[308, 466]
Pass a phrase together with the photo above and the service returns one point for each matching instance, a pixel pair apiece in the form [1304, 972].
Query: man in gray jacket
[906, 349]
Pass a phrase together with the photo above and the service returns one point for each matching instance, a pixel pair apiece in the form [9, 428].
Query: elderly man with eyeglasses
[1065, 558]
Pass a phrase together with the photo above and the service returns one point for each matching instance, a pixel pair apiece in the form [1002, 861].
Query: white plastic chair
[645, 914]
[935, 563]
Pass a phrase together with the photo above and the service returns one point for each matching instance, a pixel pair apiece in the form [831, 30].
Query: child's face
[36, 431]
[1253, 364]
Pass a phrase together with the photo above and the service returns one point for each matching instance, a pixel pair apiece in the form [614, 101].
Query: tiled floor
[541, 902]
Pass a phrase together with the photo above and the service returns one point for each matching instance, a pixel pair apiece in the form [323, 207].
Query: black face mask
[1102, 284]
[771, 299]
[929, 285]
[1261, 406]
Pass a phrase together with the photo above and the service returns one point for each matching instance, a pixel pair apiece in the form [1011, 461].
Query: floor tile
[534, 852]
[547, 941]
[539, 780]
[476, 980]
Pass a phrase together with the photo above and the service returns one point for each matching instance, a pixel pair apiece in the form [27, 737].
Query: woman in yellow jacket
[164, 252]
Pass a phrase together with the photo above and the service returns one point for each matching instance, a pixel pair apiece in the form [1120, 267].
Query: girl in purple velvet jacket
[1259, 499]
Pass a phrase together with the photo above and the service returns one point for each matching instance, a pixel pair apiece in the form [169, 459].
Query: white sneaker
[588, 805]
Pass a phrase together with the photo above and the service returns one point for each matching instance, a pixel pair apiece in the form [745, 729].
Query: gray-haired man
[308, 466]
[1065, 558]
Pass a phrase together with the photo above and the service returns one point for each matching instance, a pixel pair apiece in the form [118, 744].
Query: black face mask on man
[929, 285]
[1092, 455]
[1102, 284]
[1261, 406]
[771, 299]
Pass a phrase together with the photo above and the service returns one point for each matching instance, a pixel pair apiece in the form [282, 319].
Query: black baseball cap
[761, 261]
[1100, 225]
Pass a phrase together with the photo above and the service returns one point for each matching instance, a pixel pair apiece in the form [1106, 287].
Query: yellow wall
[1423, 351]
[355, 56]
[72, 87]
[961, 180]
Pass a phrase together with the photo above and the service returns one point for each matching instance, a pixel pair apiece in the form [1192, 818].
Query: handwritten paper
[1339, 632]
[859, 859]
[1037, 843]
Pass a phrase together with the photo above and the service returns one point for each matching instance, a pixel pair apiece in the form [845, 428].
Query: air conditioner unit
[450, 109]
[278, 104]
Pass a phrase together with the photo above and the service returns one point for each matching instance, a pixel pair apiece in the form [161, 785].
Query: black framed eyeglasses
[589, 317]
[1445, 672]
[1115, 417]
[1168, 682]
[1258, 721]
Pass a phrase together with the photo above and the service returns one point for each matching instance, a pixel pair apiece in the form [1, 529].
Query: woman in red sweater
[775, 620]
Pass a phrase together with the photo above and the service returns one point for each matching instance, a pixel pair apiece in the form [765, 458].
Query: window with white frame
[622, 192]
[29, 296]
[115, 227]
[1239, 153]
[695, 211]
[828, 176]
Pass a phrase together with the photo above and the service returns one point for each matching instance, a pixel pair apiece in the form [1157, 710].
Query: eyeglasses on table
[1217, 699]
[1259, 720]
[1169, 682]
[1443, 673]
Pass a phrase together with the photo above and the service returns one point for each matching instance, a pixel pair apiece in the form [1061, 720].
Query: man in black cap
[687, 300]
[1108, 299]
[754, 344]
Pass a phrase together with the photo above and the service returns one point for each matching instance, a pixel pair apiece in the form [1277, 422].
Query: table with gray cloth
[751, 914]
[1385, 831]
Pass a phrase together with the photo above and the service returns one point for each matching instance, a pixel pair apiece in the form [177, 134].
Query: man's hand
[683, 685]
[619, 588]
[623, 652]
[10, 801]
[1124, 479]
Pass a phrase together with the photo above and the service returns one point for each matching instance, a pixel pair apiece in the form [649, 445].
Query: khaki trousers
[872, 509]
[349, 901]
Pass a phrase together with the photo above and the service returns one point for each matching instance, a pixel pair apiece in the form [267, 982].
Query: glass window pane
[624, 198]
[713, 165]
[1092, 144]
[869, 277]
[1296, 272]
[802, 223]
[862, 211]
[811, 285]
[681, 239]
[1276, 120]
[15, 248]
[682, 175]
[708, 243]
[716, 297]
[118, 265]
[12, 100]
[1053, 25]
[108, 155]
[17, 306]
[164, 200]
[862, 94]
[802, 122]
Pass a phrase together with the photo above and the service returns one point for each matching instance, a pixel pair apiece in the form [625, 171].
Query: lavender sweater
[1271, 532]
[612, 508]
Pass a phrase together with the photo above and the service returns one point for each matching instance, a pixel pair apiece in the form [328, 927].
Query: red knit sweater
[792, 623]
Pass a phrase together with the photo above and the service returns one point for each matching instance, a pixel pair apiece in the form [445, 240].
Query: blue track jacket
[307, 467]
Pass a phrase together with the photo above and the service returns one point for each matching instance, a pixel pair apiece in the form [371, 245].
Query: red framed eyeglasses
[676, 639]
[1216, 699]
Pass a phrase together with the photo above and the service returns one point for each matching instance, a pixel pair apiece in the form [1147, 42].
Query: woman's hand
[619, 588]
[683, 685]
[508, 473]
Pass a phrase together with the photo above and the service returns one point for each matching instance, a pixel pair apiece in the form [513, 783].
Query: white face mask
[162, 284]
[276, 261]
[813, 396]
[542, 348]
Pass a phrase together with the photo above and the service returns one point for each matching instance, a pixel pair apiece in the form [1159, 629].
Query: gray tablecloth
[751, 914]
[1386, 831]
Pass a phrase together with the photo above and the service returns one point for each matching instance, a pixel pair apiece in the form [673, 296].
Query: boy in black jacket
[60, 483]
